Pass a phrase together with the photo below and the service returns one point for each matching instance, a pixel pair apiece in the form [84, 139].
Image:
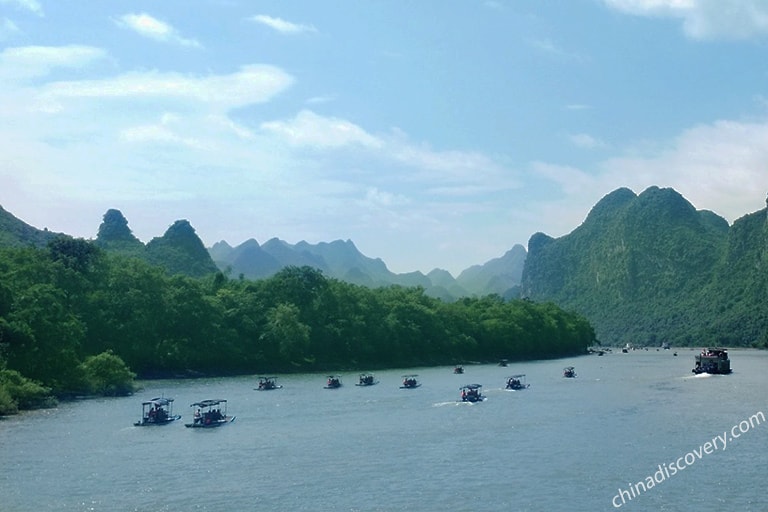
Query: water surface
[562, 444]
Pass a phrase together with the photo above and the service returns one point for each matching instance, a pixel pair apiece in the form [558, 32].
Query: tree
[286, 335]
[106, 374]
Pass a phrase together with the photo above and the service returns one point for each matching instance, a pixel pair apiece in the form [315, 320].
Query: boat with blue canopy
[472, 393]
[517, 382]
[410, 382]
[333, 382]
[268, 384]
[366, 379]
[157, 411]
[210, 414]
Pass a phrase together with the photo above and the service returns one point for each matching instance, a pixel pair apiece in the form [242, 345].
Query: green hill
[640, 267]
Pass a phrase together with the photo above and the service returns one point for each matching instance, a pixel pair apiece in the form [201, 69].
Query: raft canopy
[161, 401]
[209, 403]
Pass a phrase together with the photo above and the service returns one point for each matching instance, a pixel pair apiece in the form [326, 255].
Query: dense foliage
[72, 314]
[649, 269]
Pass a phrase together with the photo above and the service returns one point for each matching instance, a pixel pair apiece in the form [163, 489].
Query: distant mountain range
[181, 251]
[342, 260]
[644, 269]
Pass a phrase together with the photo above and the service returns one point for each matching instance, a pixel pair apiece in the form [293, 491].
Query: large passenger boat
[712, 360]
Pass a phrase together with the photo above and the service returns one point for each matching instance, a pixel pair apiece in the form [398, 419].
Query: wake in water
[457, 403]
[699, 376]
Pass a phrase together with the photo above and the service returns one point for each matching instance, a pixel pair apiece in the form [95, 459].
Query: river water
[562, 444]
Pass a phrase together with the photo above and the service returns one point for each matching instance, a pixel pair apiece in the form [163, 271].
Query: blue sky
[433, 134]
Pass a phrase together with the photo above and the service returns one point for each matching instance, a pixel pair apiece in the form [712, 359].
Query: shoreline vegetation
[76, 320]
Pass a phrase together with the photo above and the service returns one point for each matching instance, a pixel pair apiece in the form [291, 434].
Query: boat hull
[212, 424]
[144, 423]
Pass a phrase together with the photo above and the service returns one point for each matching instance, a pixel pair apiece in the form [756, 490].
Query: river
[562, 444]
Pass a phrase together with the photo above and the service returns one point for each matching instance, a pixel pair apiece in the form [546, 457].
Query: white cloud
[586, 141]
[317, 100]
[453, 172]
[379, 198]
[166, 131]
[148, 26]
[21, 63]
[251, 84]
[282, 26]
[549, 47]
[719, 166]
[705, 19]
[8, 29]
[572, 181]
[32, 6]
[311, 130]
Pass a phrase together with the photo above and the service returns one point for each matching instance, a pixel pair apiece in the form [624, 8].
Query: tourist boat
[472, 393]
[458, 369]
[209, 414]
[366, 379]
[503, 362]
[267, 384]
[569, 372]
[333, 382]
[713, 360]
[158, 411]
[410, 382]
[517, 382]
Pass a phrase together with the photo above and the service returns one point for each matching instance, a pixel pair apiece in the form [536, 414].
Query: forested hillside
[70, 309]
[649, 268]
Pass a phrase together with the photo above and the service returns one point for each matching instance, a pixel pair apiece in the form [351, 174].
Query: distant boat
[569, 372]
[333, 382]
[712, 360]
[209, 414]
[157, 411]
[517, 382]
[410, 382]
[503, 362]
[366, 379]
[268, 384]
[472, 393]
[458, 369]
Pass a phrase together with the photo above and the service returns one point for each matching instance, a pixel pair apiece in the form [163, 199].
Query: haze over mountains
[644, 269]
[180, 250]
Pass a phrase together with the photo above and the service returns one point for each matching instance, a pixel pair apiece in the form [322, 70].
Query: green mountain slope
[17, 233]
[180, 251]
[639, 267]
